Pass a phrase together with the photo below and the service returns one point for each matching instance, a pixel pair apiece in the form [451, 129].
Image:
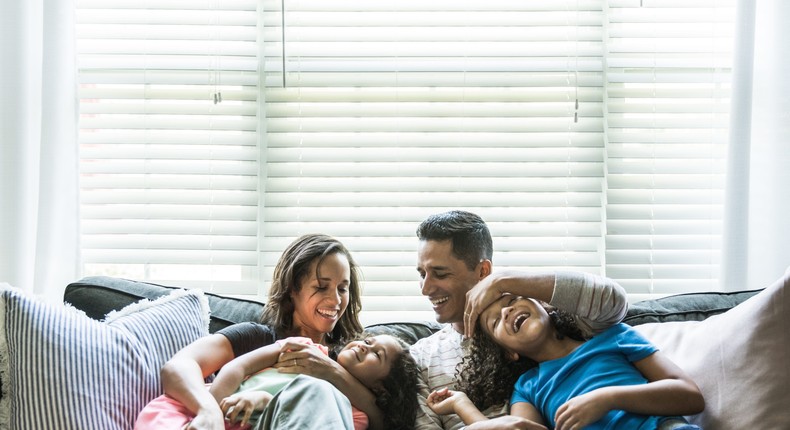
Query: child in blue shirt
[534, 354]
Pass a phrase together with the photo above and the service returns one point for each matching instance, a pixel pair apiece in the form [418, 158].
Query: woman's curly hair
[396, 397]
[487, 375]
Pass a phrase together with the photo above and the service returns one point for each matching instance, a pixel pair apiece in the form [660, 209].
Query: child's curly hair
[397, 395]
[487, 375]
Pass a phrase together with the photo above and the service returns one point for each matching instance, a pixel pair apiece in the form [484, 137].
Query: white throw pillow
[740, 359]
[63, 370]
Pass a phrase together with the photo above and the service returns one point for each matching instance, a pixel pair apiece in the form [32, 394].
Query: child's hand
[443, 401]
[240, 406]
[580, 411]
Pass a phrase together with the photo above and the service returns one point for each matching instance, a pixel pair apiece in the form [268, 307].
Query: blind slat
[589, 134]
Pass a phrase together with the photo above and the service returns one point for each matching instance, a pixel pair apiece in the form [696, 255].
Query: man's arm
[535, 285]
[523, 416]
[507, 422]
[598, 302]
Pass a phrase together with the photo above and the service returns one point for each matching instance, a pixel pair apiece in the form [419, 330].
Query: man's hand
[477, 299]
[507, 422]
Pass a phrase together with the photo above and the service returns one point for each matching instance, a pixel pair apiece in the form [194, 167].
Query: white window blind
[391, 111]
[169, 177]
[668, 77]
[588, 134]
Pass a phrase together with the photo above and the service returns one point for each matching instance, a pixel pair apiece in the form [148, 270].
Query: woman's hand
[206, 420]
[306, 359]
[240, 406]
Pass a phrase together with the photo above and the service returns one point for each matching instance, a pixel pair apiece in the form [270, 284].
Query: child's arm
[523, 416]
[528, 411]
[315, 364]
[669, 391]
[446, 401]
[239, 407]
[232, 374]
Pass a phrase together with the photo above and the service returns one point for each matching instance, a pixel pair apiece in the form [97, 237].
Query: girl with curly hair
[533, 355]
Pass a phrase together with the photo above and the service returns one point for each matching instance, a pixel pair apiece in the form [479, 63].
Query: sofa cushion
[740, 359]
[63, 370]
[410, 332]
[98, 295]
[684, 307]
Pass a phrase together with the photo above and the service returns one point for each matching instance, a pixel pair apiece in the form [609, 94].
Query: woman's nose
[334, 295]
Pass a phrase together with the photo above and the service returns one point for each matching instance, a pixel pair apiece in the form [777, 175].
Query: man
[453, 260]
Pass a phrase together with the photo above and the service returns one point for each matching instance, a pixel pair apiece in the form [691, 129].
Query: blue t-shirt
[603, 361]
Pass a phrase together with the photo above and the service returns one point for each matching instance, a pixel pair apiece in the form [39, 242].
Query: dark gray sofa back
[99, 295]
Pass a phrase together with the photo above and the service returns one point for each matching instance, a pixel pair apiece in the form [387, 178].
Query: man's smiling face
[445, 279]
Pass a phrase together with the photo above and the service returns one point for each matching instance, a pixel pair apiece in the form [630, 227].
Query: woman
[315, 293]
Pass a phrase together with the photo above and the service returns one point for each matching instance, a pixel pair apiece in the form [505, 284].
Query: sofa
[93, 362]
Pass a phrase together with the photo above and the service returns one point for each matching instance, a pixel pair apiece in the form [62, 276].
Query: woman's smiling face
[516, 323]
[322, 297]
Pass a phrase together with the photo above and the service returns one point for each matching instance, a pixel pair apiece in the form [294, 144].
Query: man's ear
[484, 269]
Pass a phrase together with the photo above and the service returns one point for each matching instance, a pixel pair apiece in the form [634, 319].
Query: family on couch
[315, 295]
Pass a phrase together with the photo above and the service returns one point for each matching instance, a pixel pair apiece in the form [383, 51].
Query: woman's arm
[233, 373]
[183, 378]
[312, 362]
[669, 391]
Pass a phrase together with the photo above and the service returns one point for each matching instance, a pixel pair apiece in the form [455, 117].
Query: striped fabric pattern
[63, 370]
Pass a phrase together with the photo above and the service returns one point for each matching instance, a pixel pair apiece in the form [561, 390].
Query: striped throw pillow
[62, 370]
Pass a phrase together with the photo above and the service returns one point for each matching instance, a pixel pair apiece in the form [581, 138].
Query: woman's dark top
[247, 336]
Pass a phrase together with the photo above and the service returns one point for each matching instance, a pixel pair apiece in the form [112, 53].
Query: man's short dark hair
[467, 232]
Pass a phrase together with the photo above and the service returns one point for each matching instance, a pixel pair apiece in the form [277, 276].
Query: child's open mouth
[519, 321]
